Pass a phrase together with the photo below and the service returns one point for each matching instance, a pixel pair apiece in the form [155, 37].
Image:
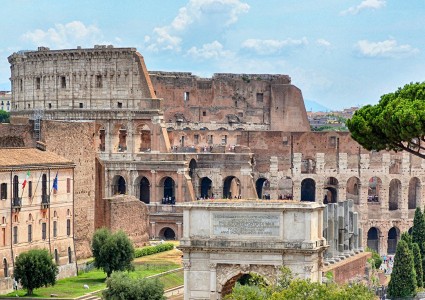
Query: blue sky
[340, 53]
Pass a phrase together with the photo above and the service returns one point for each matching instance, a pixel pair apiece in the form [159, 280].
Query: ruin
[168, 138]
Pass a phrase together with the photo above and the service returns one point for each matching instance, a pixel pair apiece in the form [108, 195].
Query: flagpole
[33, 194]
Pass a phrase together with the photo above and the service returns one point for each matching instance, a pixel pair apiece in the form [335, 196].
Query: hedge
[153, 249]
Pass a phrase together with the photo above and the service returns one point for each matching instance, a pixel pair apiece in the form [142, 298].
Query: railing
[17, 202]
[45, 201]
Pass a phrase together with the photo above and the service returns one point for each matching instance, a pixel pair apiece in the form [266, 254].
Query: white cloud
[323, 42]
[212, 50]
[214, 13]
[387, 48]
[65, 35]
[365, 4]
[265, 47]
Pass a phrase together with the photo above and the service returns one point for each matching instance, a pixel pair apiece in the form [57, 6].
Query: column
[179, 194]
[213, 281]
[153, 229]
[153, 188]
[186, 266]
[179, 230]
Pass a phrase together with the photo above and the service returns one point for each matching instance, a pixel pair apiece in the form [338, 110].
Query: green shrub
[377, 259]
[149, 250]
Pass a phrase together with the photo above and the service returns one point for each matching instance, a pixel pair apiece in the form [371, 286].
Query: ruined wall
[19, 135]
[350, 268]
[130, 215]
[74, 141]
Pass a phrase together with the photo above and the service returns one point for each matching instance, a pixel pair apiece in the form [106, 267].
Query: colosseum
[171, 137]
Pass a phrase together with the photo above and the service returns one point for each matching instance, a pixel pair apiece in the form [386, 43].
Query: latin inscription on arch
[246, 224]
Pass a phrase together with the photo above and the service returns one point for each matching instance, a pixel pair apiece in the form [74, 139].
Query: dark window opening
[186, 96]
[119, 104]
[260, 97]
[204, 113]
[15, 234]
[68, 227]
[37, 83]
[29, 233]
[3, 191]
[63, 82]
[55, 228]
[81, 105]
[43, 231]
[50, 105]
[98, 81]
[29, 189]
[69, 255]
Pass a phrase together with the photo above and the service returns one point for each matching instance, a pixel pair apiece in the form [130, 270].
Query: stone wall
[350, 269]
[130, 215]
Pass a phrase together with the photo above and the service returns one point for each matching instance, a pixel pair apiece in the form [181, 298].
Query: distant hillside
[313, 106]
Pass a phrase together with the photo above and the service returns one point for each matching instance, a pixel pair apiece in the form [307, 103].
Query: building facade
[36, 209]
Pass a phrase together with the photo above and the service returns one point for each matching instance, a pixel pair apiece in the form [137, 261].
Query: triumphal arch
[223, 240]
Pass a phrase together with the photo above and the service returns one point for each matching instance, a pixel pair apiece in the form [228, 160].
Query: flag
[55, 183]
[26, 180]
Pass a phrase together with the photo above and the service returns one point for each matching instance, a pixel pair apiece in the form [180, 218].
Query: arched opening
[394, 194]
[308, 190]
[414, 196]
[262, 186]
[231, 187]
[374, 189]
[144, 193]
[308, 166]
[192, 168]
[145, 138]
[243, 279]
[285, 186]
[122, 139]
[205, 186]
[393, 236]
[331, 191]
[167, 233]
[373, 239]
[119, 185]
[353, 189]
[168, 190]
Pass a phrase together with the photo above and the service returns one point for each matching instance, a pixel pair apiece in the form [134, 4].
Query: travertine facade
[34, 214]
[167, 138]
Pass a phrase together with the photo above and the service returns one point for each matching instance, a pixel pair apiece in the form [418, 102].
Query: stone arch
[374, 189]
[394, 194]
[205, 187]
[144, 137]
[168, 186]
[262, 185]
[353, 189]
[122, 139]
[167, 233]
[102, 138]
[331, 190]
[285, 186]
[143, 189]
[393, 237]
[414, 196]
[119, 185]
[308, 190]
[192, 168]
[373, 238]
[231, 187]
[228, 286]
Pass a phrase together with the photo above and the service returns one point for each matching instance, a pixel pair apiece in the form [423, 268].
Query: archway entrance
[352, 189]
[192, 168]
[243, 279]
[308, 190]
[167, 233]
[231, 187]
[169, 187]
[260, 185]
[393, 235]
[206, 185]
[118, 185]
[373, 239]
[331, 191]
[144, 190]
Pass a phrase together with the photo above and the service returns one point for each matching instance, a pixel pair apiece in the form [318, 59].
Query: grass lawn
[145, 266]
[172, 280]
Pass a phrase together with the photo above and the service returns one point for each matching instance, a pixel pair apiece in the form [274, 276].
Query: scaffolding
[38, 115]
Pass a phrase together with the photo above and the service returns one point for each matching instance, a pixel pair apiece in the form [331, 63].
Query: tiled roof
[15, 157]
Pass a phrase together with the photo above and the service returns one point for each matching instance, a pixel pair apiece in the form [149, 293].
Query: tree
[112, 252]
[122, 287]
[34, 269]
[396, 123]
[418, 230]
[403, 277]
[417, 259]
[408, 239]
[4, 116]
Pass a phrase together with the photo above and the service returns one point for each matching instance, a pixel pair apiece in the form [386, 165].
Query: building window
[98, 81]
[196, 139]
[43, 230]
[68, 227]
[29, 189]
[15, 234]
[37, 83]
[119, 104]
[224, 140]
[186, 96]
[63, 82]
[55, 229]
[204, 113]
[69, 255]
[3, 191]
[210, 139]
[50, 105]
[29, 233]
[21, 84]
[5, 268]
[68, 185]
[29, 105]
[56, 257]
[81, 105]
[259, 97]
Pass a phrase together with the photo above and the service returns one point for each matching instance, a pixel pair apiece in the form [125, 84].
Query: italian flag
[26, 179]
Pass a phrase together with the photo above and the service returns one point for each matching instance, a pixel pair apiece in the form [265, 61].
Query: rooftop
[31, 158]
